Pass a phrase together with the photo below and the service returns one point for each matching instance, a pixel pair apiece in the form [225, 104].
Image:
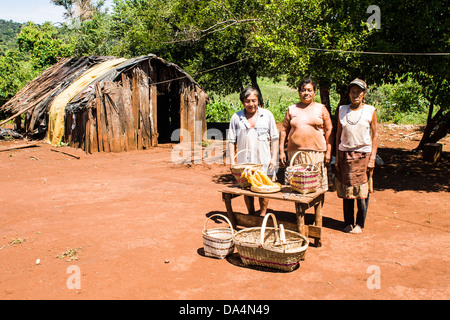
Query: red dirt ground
[134, 222]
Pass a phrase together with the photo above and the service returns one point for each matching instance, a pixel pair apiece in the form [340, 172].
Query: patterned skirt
[352, 181]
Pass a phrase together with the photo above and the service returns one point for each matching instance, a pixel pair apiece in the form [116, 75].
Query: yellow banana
[257, 177]
[253, 181]
[265, 179]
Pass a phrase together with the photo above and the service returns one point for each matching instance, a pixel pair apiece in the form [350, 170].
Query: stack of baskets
[304, 177]
[271, 247]
[218, 242]
[237, 170]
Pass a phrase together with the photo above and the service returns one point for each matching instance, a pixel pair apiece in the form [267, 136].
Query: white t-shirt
[255, 140]
[356, 134]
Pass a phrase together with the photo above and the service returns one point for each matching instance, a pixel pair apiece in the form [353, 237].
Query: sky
[37, 11]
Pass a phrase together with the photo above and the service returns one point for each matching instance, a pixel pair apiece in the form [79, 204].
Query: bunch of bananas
[257, 178]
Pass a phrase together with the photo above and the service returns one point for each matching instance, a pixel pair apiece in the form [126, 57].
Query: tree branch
[193, 35]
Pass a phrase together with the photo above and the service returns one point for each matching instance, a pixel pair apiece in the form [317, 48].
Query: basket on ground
[237, 170]
[271, 247]
[218, 242]
[304, 177]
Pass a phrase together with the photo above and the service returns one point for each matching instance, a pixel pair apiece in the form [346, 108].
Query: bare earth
[130, 226]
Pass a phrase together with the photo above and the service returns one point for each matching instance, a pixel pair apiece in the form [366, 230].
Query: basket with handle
[218, 242]
[304, 177]
[237, 170]
[271, 247]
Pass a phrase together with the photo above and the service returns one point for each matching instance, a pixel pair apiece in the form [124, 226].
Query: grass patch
[70, 254]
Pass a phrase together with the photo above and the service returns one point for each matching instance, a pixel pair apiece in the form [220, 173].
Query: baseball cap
[360, 83]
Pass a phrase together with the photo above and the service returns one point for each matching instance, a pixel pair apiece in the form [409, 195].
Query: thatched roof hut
[112, 105]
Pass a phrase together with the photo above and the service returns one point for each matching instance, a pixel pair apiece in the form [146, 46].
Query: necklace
[352, 122]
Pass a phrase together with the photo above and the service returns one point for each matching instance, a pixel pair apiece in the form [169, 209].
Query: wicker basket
[218, 242]
[237, 170]
[271, 247]
[303, 178]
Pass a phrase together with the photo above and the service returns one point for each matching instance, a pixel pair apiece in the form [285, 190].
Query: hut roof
[37, 96]
[87, 93]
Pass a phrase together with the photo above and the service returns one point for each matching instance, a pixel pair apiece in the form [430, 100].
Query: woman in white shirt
[254, 129]
[357, 144]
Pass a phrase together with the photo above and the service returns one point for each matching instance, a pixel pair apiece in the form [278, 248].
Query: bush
[221, 110]
[277, 97]
[401, 103]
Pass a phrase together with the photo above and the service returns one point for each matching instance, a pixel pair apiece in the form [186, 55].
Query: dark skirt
[352, 181]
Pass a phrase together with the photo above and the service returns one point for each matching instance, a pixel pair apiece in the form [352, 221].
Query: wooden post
[93, 142]
[183, 114]
[98, 107]
[432, 152]
[135, 100]
[87, 131]
[154, 115]
[145, 110]
[127, 105]
[114, 130]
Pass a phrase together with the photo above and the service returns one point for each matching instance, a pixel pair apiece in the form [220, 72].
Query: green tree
[92, 36]
[15, 72]
[8, 33]
[296, 31]
[223, 34]
[197, 35]
[418, 26]
[43, 44]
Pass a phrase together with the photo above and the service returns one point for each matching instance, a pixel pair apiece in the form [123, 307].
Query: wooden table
[302, 203]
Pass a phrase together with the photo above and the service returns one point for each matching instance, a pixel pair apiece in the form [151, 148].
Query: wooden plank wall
[122, 117]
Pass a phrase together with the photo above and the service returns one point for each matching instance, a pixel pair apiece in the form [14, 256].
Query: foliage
[15, 72]
[92, 36]
[43, 44]
[8, 33]
[402, 102]
[291, 28]
[221, 110]
[277, 97]
[231, 44]
[409, 27]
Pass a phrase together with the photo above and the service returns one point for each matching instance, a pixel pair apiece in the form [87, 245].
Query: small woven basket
[271, 247]
[218, 242]
[303, 178]
[237, 170]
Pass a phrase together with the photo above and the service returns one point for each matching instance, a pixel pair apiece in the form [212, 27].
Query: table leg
[227, 199]
[300, 211]
[318, 220]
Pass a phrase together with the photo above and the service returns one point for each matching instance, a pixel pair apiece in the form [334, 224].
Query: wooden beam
[128, 113]
[21, 146]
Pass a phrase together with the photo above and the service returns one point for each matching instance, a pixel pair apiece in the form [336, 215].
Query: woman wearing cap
[357, 143]
[254, 130]
[307, 125]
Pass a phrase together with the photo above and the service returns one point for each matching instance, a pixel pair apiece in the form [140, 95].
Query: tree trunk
[432, 122]
[442, 129]
[254, 80]
[344, 99]
[325, 97]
